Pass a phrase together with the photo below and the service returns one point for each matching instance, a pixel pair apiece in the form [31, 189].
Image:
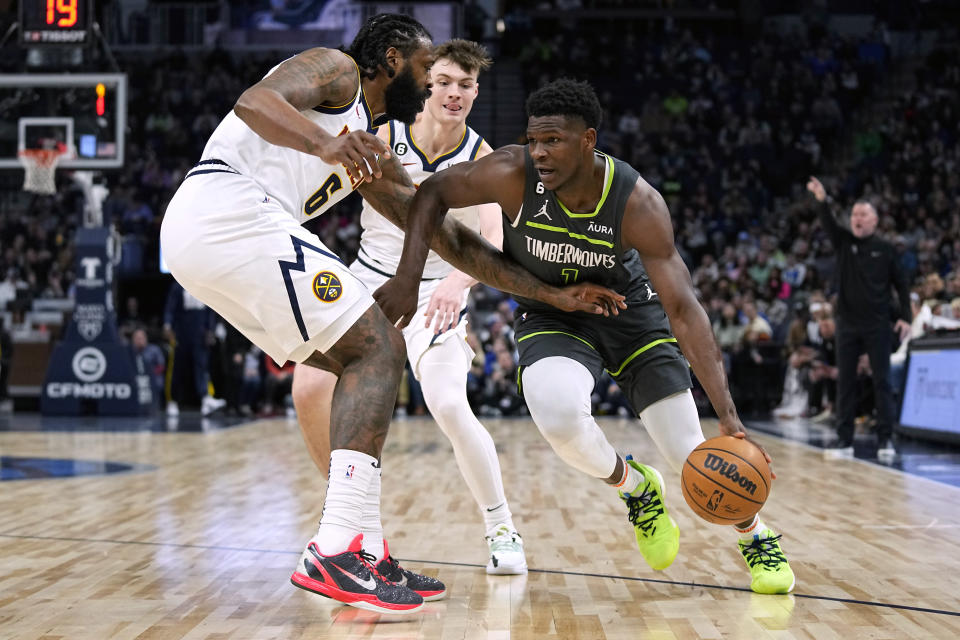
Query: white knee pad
[674, 426]
[557, 391]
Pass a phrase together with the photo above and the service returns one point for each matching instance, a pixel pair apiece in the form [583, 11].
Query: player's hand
[590, 297]
[397, 298]
[903, 328]
[357, 151]
[815, 187]
[733, 427]
[443, 310]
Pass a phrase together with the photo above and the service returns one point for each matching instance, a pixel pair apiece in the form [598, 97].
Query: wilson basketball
[726, 480]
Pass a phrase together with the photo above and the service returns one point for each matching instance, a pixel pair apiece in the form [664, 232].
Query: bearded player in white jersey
[436, 345]
[295, 143]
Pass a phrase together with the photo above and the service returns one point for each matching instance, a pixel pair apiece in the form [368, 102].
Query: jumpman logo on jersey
[543, 212]
[651, 294]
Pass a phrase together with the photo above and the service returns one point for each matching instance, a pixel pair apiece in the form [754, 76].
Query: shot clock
[54, 22]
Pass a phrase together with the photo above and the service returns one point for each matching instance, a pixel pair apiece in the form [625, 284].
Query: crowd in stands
[726, 128]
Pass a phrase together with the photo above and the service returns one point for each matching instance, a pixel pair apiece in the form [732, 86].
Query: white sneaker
[506, 552]
[886, 451]
[209, 405]
[838, 451]
[172, 409]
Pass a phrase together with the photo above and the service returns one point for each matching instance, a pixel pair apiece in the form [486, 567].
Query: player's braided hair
[381, 32]
[566, 97]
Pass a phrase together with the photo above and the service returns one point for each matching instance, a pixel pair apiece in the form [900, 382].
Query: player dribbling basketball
[573, 214]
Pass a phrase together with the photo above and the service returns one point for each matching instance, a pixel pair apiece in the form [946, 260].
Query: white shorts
[419, 338]
[239, 252]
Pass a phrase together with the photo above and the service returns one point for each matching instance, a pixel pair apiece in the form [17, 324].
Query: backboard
[85, 111]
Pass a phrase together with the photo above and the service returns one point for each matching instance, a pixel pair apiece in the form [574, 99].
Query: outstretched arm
[836, 232]
[315, 77]
[465, 249]
[648, 229]
[443, 309]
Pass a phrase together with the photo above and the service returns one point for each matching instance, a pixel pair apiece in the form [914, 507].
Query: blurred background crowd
[727, 127]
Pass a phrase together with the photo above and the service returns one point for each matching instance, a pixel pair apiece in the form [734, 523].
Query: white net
[39, 170]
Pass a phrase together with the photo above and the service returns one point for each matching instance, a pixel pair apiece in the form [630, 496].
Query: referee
[867, 269]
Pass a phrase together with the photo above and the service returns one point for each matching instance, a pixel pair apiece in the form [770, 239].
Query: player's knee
[308, 384]
[396, 347]
[557, 391]
[444, 406]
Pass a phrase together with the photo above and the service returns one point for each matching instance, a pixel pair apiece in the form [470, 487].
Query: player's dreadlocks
[381, 32]
[566, 97]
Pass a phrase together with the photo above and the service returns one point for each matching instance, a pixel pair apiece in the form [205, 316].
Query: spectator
[188, 325]
[148, 360]
[277, 383]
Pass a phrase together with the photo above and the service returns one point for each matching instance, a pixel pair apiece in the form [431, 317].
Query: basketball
[726, 480]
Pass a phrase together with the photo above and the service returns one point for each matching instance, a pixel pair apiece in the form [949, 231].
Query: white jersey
[302, 184]
[381, 243]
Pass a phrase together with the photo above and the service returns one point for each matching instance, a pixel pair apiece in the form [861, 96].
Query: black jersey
[562, 248]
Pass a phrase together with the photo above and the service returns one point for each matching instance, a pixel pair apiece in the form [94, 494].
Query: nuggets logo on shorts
[327, 287]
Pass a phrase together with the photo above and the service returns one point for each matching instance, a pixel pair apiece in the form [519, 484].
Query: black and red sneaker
[429, 588]
[350, 578]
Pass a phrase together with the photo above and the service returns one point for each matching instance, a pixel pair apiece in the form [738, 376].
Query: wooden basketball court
[198, 541]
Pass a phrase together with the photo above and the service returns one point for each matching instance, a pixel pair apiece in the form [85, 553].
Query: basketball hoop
[39, 168]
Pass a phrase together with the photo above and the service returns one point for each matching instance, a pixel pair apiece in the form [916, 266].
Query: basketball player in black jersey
[573, 214]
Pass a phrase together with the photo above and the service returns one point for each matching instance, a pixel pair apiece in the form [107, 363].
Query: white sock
[349, 479]
[631, 479]
[500, 514]
[370, 519]
[755, 529]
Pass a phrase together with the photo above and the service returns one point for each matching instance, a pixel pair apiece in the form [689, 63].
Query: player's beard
[404, 97]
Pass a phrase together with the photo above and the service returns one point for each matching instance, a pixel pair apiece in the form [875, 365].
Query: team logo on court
[400, 148]
[327, 287]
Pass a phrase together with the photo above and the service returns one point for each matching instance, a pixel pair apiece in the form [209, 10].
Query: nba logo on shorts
[350, 469]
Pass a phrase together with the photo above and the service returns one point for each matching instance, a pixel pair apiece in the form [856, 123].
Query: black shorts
[636, 348]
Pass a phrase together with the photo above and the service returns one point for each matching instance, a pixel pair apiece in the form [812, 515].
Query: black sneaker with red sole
[429, 588]
[350, 578]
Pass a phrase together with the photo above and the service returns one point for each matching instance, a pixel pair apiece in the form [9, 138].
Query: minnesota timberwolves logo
[327, 287]
[400, 148]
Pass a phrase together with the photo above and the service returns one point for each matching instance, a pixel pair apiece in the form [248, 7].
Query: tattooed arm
[272, 108]
[469, 252]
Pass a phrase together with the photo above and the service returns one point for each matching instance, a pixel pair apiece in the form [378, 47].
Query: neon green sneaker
[658, 536]
[769, 567]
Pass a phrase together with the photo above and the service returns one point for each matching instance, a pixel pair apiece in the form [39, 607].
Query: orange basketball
[726, 480]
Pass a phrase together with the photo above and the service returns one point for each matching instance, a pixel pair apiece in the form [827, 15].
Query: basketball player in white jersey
[295, 143]
[436, 346]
